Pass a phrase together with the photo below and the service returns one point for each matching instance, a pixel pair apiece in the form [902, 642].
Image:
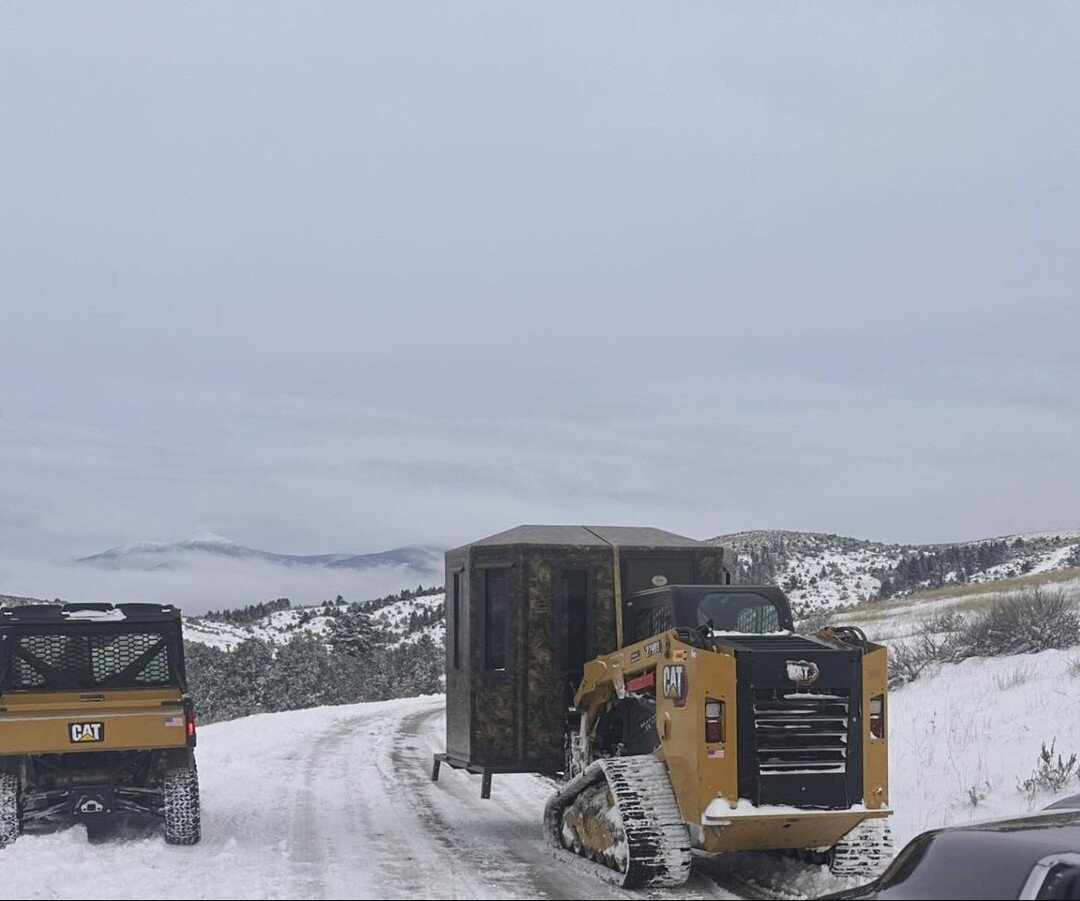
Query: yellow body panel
[697, 777]
[702, 773]
[875, 750]
[39, 722]
[812, 829]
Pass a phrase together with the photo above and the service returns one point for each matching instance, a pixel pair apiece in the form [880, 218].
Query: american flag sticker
[174, 721]
[716, 752]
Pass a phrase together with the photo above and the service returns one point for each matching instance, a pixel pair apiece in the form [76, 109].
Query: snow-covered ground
[963, 737]
[336, 802]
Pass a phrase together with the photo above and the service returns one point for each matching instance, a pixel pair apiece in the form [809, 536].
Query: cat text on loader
[715, 727]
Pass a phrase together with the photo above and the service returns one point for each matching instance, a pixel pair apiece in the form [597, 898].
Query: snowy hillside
[820, 571]
[404, 620]
[964, 737]
[895, 621]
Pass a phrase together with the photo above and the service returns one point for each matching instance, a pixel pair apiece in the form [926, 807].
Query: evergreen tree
[355, 634]
[303, 674]
[249, 676]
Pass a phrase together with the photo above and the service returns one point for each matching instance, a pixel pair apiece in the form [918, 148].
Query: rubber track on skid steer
[865, 851]
[658, 842]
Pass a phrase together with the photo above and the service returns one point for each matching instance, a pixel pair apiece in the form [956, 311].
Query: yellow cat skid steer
[723, 730]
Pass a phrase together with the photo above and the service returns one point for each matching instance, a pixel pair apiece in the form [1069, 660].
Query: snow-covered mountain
[821, 571]
[426, 560]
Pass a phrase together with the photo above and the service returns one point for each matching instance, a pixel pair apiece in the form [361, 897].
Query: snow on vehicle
[682, 711]
[95, 719]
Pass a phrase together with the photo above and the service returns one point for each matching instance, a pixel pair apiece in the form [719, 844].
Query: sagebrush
[1052, 773]
[1028, 621]
[936, 640]
[1036, 619]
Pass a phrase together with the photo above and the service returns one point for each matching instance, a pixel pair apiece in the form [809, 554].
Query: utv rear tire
[9, 808]
[181, 805]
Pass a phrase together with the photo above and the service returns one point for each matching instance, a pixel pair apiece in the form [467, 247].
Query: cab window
[738, 612]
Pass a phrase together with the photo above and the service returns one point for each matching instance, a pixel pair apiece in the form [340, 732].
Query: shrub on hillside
[1035, 619]
[936, 640]
[1050, 775]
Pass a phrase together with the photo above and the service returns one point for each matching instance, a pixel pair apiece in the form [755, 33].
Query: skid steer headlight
[712, 710]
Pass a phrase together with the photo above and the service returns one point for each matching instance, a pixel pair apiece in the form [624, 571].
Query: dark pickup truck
[1034, 857]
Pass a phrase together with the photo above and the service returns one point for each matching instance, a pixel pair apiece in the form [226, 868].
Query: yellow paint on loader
[703, 773]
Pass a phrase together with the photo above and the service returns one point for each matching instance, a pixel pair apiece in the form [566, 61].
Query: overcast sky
[341, 277]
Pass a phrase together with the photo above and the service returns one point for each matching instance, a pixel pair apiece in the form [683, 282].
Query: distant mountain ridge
[821, 571]
[151, 555]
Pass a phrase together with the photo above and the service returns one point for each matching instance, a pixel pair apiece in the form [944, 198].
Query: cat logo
[86, 732]
[803, 672]
[675, 684]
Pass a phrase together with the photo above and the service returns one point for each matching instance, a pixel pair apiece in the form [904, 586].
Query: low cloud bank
[202, 582]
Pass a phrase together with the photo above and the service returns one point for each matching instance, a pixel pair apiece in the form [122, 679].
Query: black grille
[801, 731]
[58, 660]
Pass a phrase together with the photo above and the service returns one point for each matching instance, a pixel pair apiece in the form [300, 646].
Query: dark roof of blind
[594, 536]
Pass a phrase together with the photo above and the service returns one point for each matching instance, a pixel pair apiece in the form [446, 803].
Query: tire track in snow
[307, 855]
[504, 833]
[504, 876]
[353, 835]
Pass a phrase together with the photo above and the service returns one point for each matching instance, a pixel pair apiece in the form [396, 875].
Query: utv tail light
[189, 722]
[714, 722]
[877, 716]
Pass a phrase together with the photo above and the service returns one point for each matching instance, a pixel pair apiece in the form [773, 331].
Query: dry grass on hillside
[973, 597]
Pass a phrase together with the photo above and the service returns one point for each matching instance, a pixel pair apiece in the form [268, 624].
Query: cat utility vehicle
[683, 712]
[95, 720]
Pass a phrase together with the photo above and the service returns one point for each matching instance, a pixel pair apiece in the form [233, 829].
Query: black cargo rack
[90, 646]
[45, 614]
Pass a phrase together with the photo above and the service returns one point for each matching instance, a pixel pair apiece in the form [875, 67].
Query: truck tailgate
[56, 722]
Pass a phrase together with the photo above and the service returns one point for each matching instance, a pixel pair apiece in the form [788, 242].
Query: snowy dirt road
[333, 803]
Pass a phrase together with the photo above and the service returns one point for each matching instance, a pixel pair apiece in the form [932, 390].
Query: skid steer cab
[95, 719]
[715, 726]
